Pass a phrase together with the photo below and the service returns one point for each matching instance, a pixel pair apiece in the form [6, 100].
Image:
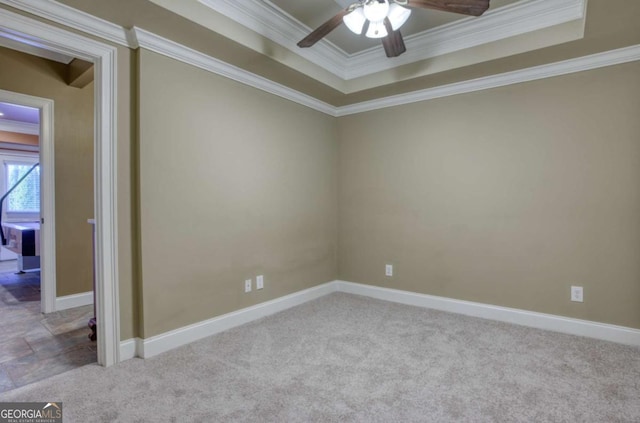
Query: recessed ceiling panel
[509, 27]
[315, 12]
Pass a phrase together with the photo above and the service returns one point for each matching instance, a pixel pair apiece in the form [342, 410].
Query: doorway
[29, 32]
[34, 346]
[22, 104]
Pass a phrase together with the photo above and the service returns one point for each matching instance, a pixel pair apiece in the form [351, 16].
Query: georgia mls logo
[31, 412]
[53, 404]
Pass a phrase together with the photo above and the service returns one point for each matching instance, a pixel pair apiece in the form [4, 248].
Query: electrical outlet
[259, 282]
[388, 270]
[576, 294]
[247, 285]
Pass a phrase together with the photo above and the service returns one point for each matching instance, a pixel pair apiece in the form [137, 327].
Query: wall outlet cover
[577, 294]
[388, 270]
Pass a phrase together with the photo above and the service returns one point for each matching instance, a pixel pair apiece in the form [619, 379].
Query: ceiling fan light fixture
[398, 15]
[383, 19]
[355, 21]
[376, 30]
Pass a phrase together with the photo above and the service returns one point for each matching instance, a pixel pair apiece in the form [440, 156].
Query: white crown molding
[19, 127]
[595, 61]
[35, 51]
[73, 18]
[195, 58]
[184, 54]
[139, 37]
[519, 18]
[509, 21]
[167, 341]
[273, 23]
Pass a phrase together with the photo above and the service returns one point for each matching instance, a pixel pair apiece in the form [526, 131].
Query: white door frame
[47, 195]
[32, 32]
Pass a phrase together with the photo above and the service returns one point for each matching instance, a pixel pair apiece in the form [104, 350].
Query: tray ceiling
[313, 13]
[343, 58]
[260, 36]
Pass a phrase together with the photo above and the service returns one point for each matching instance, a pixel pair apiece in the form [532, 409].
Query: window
[26, 197]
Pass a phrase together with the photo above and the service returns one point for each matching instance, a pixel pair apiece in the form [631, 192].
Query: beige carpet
[350, 358]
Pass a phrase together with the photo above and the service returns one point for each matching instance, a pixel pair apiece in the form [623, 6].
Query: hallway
[34, 346]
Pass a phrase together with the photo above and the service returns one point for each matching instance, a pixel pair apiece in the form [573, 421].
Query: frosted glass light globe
[376, 11]
[355, 21]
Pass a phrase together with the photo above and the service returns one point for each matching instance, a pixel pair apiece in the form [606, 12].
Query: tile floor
[34, 346]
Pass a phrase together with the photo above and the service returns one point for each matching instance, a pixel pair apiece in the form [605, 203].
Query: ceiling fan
[383, 19]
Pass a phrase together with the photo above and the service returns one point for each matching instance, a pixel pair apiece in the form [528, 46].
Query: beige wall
[506, 196]
[73, 115]
[234, 182]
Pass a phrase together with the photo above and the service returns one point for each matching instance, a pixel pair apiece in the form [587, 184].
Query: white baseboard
[169, 340]
[75, 300]
[128, 349]
[155, 345]
[603, 331]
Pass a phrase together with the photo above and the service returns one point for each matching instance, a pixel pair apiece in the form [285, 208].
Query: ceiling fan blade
[324, 29]
[465, 7]
[393, 42]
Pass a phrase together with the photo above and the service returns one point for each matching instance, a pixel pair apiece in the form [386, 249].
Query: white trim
[185, 335]
[509, 21]
[73, 18]
[167, 341]
[19, 147]
[47, 192]
[30, 31]
[48, 215]
[519, 18]
[105, 200]
[129, 348]
[19, 127]
[184, 54]
[72, 301]
[155, 43]
[271, 22]
[594, 61]
[35, 51]
[141, 38]
[589, 329]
